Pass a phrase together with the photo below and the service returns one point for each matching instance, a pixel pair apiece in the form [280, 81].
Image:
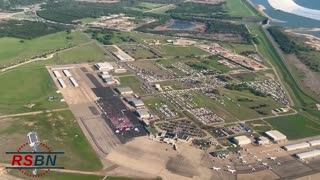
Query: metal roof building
[276, 135]
[135, 102]
[314, 142]
[67, 73]
[296, 146]
[104, 66]
[143, 113]
[242, 140]
[57, 74]
[308, 154]
[125, 90]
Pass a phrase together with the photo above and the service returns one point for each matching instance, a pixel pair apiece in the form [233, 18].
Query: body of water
[181, 25]
[292, 20]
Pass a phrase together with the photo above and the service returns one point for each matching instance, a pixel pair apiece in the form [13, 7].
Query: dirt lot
[145, 155]
[263, 175]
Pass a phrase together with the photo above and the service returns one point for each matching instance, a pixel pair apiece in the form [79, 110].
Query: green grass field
[61, 132]
[13, 51]
[133, 82]
[86, 53]
[168, 50]
[242, 103]
[259, 126]
[27, 86]
[138, 52]
[296, 126]
[149, 6]
[240, 8]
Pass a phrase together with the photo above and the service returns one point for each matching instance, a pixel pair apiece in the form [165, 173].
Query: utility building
[276, 136]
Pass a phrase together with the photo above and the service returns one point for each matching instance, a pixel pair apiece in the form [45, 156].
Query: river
[291, 20]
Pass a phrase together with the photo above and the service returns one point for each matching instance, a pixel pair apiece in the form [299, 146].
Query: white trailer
[309, 154]
[293, 147]
[61, 82]
[74, 82]
[314, 142]
[57, 74]
[67, 73]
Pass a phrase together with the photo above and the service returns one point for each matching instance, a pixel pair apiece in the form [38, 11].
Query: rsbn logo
[29, 162]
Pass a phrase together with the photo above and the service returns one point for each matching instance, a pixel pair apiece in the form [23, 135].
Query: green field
[259, 126]
[176, 51]
[133, 82]
[245, 105]
[138, 52]
[211, 63]
[85, 53]
[13, 50]
[149, 6]
[60, 131]
[240, 8]
[27, 86]
[296, 126]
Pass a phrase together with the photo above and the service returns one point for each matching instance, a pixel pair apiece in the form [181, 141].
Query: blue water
[181, 25]
[292, 20]
[312, 4]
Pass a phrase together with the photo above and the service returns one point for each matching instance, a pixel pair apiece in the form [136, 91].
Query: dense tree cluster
[243, 87]
[11, 4]
[227, 27]
[289, 45]
[69, 11]
[28, 29]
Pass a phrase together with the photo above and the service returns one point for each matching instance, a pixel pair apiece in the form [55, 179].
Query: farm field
[60, 131]
[14, 50]
[37, 88]
[296, 126]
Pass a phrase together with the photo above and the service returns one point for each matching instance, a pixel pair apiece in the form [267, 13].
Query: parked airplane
[273, 158]
[232, 170]
[216, 168]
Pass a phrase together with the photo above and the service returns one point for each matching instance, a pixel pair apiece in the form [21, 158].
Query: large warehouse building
[104, 66]
[276, 136]
[314, 142]
[309, 154]
[293, 147]
[242, 140]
